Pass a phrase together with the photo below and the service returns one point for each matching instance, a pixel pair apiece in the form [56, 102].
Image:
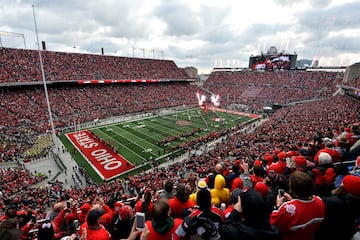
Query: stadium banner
[235, 112]
[102, 159]
[105, 81]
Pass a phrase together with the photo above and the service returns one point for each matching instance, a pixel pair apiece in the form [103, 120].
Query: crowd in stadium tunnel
[230, 190]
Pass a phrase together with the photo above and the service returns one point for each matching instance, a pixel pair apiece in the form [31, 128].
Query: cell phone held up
[281, 192]
[140, 221]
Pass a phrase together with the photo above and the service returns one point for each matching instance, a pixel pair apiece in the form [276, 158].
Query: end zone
[102, 159]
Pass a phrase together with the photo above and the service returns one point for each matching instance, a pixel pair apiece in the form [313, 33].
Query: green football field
[155, 137]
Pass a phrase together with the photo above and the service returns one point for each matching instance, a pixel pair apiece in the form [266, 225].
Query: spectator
[168, 190]
[205, 209]
[55, 210]
[122, 222]
[145, 204]
[244, 180]
[92, 229]
[210, 180]
[249, 219]
[162, 226]
[203, 221]
[234, 199]
[235, 172]
[220, 194]
[9, 230]
[180, 202]
[194, 227]
[84, 209]
[342, 211]
[64, 223]
[201, 184]
[10, 211]
[45, 231]
[299, 215]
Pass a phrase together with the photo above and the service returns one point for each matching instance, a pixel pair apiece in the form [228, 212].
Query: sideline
[66, 176]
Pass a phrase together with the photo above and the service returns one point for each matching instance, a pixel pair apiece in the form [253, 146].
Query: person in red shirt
[92, 229]
[84, 209]
[180, 202]
[162, 226]
[64, 222]
[145, 204]
[298, 215]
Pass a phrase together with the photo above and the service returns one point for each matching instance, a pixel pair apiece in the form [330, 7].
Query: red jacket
[299, 219]
[177, 207]
[153, 235]
[139, 206]
[93, 234]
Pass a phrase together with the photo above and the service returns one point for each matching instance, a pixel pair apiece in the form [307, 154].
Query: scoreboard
[272, 60]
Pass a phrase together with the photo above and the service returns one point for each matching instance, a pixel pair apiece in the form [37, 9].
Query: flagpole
[44, 80]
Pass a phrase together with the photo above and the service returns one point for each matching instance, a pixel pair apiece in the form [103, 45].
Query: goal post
[11, 34]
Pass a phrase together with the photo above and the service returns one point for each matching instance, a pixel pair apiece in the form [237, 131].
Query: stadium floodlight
[44, 81]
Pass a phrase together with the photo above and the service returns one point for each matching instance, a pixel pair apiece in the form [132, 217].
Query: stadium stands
[20, 65]
[290, 131]
[259, 89]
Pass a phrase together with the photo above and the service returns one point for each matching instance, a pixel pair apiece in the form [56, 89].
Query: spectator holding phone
[64, 223]
[298, 214]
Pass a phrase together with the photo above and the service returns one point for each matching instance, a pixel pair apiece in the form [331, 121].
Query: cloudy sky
[199, 33]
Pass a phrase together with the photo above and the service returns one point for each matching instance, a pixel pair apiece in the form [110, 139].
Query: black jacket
[340, 218]
[234, 229]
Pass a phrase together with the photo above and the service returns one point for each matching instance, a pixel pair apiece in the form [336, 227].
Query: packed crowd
[71, 104]
[78, 104]
[355, 82]
[286, 179]
[259, 89]
[229, 190]
[22, 65]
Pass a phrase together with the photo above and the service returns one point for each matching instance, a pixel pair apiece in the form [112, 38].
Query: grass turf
[138, 141]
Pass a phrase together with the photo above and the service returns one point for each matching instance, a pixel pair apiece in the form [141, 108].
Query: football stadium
[90, 143]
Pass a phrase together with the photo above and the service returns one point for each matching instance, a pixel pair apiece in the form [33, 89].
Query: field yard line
[124, 145]
[192, 137]
[163, 128]
[163, 122]
[196, 124]
[135, 142]
[188, 127]
[148, 136]
[123, 129]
